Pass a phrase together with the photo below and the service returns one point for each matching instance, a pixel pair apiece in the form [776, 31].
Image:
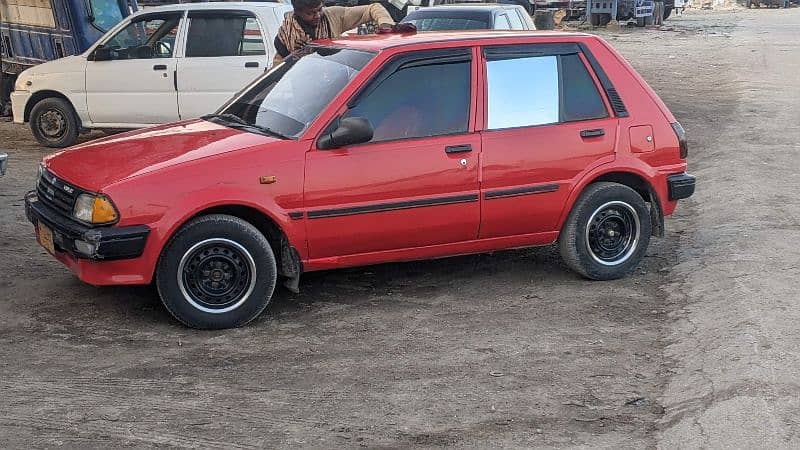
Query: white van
[160, 65]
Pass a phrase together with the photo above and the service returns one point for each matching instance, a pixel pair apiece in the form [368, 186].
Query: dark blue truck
[35, 31]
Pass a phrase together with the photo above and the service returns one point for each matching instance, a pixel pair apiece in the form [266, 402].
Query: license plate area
[45, 235]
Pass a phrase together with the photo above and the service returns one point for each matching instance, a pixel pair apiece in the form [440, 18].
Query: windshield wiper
[234, 121]
[226, 118]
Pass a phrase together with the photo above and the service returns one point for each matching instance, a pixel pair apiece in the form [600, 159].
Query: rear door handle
[458, 149]
[593, 133]
[160, 67]
[251, 64]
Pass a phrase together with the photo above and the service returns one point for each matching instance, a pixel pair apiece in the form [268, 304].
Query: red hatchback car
[368, 150]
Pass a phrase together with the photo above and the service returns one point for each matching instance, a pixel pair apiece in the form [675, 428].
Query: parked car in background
[161, 65]
[369, 150]
[37, 31]
[470, 17]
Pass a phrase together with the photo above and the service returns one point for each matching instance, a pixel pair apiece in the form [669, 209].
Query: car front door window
[419, 101]
[151, 37]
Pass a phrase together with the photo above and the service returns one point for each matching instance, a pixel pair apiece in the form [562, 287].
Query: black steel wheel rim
[612, 233]
[217, 274]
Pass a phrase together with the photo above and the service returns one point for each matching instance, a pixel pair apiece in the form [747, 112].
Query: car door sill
[431, 251]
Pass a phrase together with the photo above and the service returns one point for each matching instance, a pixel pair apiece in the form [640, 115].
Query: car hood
[74, 63]
[101, 163]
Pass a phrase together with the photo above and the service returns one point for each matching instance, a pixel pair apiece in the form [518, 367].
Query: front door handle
[250, 64]
[593, 133]
[160, 67]
[458, 149]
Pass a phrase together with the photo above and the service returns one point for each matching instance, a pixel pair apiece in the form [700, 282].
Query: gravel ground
[697, 349]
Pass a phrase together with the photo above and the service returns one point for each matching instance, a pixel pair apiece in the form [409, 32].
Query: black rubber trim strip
[501, 52]
[613, 97]
[680, 186]
[296, 215]
[381, 207]
[221, 12]
[540, 189]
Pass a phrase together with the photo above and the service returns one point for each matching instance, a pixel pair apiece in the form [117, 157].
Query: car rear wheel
[54, 123]
[607, 232]
[217, 272]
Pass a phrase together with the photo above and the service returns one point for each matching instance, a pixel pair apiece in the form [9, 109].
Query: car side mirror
[102, 54]
[351, 131]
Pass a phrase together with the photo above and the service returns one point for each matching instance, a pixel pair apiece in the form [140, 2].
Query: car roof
[250, 6]
[380, 42]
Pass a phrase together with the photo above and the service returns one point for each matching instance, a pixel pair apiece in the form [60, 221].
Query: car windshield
[285, 101]
[106, 13]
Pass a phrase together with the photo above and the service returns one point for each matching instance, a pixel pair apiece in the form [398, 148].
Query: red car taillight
[679, 131]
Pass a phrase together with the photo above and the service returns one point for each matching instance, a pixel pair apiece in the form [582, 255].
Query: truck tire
[607, 232]
[54, 122]
[218, 271]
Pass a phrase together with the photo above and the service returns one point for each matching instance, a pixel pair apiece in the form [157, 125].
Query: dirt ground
[699, 348]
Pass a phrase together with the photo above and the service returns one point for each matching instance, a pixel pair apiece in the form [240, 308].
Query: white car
[160, 65]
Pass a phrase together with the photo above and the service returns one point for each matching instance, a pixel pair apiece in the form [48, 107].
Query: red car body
[377, 202]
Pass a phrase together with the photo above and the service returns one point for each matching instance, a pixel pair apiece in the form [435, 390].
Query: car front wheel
[607, 232]
[54, 123]
[217, 272]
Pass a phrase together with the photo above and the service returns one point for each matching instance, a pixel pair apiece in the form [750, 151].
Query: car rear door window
[516, 23]
[522, 91]
[221, 34]
[418, 100]
[501, 22]
[540, 90]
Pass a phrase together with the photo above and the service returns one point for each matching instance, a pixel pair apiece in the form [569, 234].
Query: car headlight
[95, 209]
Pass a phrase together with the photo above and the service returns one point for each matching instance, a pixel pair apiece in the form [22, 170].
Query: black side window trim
[222, 13]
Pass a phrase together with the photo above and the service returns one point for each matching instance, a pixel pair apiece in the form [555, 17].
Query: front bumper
[19, 99]
[83, 242]
[680, 186]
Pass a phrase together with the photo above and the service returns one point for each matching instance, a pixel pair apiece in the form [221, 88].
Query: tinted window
[501, 22]
[216, 36]
[582, 100]
[149, 37]
[516, 24]
[522, 91]
[286, 100]
[439, 24]
[419, 101]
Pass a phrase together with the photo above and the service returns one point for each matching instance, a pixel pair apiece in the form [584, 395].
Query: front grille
[57, 194]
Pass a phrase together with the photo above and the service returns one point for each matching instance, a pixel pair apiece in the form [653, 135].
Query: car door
[546, 122]
[135, 85]
[416, 183]
[225, 50]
